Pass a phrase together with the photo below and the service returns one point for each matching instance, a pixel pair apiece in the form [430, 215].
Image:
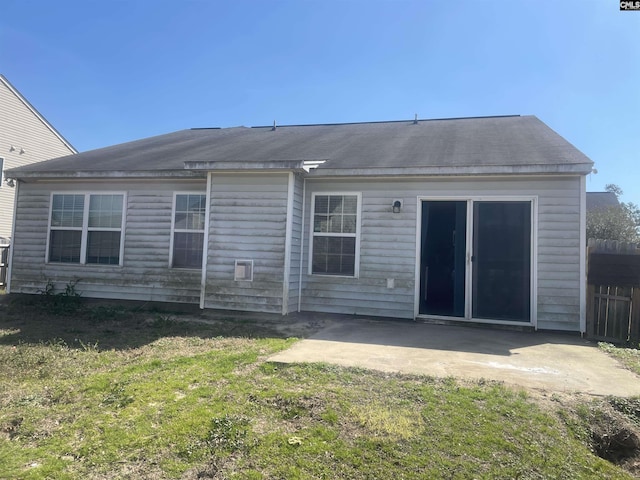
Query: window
[335, 234]
[86, 228]
[188, 230]
[1, 171]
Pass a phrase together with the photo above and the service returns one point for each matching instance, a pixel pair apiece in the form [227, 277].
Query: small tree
[620, 222]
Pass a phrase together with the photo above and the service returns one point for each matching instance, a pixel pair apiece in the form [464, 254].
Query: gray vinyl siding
[145, 273]
[296, 245]
[247, 221]
[248, 215]
[388, 245]
[22, 129]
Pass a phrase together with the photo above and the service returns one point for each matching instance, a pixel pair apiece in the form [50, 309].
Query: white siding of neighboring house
[145, 274]
[388, 245]
[248, 222]
[21, 128]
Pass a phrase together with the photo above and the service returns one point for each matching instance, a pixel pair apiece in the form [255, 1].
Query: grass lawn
[107, 393]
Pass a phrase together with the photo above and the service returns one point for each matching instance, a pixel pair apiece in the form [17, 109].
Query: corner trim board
[205, 246]
[583, 254]
[287, 243]
[13, 236]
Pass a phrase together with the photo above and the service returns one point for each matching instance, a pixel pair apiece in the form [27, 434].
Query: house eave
[25, 175]
[199, 169]
[566, 169]
[283, 165]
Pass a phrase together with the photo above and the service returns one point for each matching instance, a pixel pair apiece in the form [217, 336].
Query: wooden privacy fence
[613, 291]
[4, 265]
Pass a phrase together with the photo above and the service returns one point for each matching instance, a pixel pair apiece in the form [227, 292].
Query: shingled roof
[482, 145]
[601, 201]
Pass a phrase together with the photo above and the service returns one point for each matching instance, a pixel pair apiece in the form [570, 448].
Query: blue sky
[106, 72]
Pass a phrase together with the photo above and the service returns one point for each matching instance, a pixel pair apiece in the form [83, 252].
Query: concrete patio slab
[552, 362]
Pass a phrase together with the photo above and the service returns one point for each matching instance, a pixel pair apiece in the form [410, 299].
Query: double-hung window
[188, 230]
[335, 234]
[86, 228]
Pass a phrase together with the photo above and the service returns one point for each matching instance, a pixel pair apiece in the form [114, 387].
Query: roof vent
[415, 120]
[274, 126]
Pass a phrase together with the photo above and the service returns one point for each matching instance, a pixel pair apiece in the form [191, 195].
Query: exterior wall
[22, 129]
[247, 222]
[248, 217]
[388, 245]
[145, 273]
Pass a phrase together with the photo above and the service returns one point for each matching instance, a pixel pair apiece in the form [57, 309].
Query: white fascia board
[583, 169]
[267, 165]
[106, 174]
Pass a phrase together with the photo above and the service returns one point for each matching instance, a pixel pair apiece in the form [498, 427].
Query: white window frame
[184, 230]
[356, 235]
[85, 228]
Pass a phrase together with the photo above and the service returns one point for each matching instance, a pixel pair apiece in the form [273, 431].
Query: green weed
[62, 303]
[629, 357]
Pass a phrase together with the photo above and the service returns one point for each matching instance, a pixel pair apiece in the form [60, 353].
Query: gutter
[573, 169]
[196, 170]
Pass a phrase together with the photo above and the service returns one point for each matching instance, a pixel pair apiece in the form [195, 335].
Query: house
[25, 137]
[471, 219]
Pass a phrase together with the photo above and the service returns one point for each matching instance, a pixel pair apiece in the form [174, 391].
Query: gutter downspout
[205, 246]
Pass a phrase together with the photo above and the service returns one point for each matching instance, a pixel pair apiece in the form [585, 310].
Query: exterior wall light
[397, 206]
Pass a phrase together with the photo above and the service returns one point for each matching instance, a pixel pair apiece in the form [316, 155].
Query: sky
[107, 72]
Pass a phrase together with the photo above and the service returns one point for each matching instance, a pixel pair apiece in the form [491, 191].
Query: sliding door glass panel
[442, 269]
[501, 260]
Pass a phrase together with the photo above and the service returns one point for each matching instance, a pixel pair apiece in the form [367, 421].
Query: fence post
[634, 334]
[4, 265]
[591, 298]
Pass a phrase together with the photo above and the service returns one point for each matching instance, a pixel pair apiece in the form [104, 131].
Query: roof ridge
[387, 121]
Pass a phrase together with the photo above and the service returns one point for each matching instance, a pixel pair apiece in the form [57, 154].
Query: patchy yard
[108, 393]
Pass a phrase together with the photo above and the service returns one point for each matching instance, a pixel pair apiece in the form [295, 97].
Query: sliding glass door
[442, 283]
[476, 259]
[501, 260]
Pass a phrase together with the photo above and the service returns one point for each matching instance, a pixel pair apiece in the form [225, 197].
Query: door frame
[468, 309]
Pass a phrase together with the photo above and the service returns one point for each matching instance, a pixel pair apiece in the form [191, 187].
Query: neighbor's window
[188, 230]
[86, 228]
[335, 234]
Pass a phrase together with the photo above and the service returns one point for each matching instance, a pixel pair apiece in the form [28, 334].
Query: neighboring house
[25, 137]
[601, 201]
[477, 219]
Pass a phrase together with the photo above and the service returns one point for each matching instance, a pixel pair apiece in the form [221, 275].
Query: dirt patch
[615, 433]
[609, 426]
